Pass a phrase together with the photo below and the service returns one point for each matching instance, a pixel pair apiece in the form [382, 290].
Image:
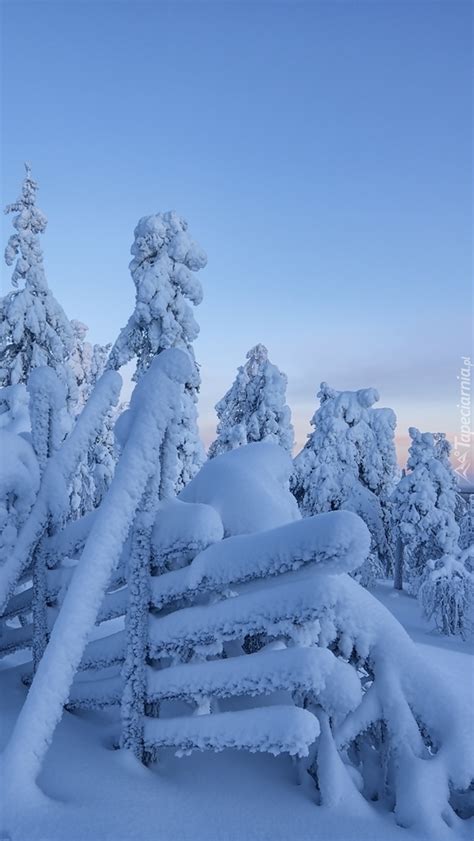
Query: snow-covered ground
[96, 793]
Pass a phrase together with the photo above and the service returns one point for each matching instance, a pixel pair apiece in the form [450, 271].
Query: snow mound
[248, 487]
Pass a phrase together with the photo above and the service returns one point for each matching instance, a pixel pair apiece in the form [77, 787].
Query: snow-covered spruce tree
[254, 408]
[103, 456]
[80, 361]
[445, 582]
[447, 592]
[34, 329]
[97, 467]
[349, 462]
[424, 504]
[165, 260]
[381, 473]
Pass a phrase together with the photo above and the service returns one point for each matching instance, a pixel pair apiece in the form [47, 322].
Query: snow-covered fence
[186, 626]
[197, 650]
[346, 668]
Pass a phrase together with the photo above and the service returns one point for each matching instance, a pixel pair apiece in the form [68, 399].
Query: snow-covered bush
[254, 408]
[349, 462]
[34, 330]
[447, 593]
[165, 260]
[424, 504]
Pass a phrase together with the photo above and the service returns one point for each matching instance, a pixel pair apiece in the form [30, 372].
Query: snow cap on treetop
[169, 231]
[80, 329]
[257, 355]
[176, 364]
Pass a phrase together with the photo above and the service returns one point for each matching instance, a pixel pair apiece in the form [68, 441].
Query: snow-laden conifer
[80, 361]
[254, 408]
[34, 330]
[424, 505]
[349, 462]
[96, 469]
[165, 260]
[447, 592]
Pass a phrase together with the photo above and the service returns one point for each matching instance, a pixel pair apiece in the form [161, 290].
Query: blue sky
[320, 151]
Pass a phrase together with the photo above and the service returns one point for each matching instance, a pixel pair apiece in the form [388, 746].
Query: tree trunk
[398, 576]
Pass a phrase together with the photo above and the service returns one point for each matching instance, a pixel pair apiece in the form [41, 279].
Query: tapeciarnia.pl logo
[462, 444]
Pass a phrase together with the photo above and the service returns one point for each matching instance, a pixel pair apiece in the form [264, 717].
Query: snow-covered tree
[349, 462]
[165, 260]
[80, 361]
[103, 456]
[447, 592]
[34, 330]
[97, 466]
[424, 504]
[254, 408]
[383, 474]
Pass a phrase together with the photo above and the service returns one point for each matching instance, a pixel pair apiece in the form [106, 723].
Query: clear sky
[321, 152]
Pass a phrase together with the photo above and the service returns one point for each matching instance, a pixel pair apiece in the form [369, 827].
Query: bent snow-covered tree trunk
[152, 405]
